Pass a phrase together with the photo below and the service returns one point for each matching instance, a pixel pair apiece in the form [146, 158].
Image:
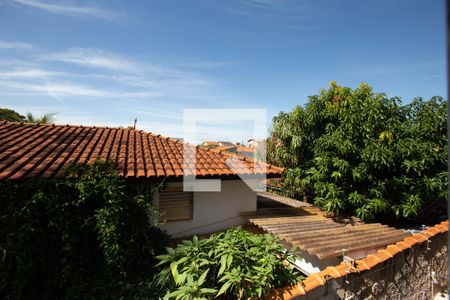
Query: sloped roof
[211, 143]
[311, 230]
[333, 272]
[31, 150]
[224, 148]
[242, 148]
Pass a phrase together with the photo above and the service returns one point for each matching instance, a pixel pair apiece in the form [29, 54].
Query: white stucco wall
[213, 211]
[309, 264]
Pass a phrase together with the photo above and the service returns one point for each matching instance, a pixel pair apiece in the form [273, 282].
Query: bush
[234, 265]
[88, 236]
[361, 153]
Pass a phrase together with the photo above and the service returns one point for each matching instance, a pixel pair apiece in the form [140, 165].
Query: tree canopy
[13, 116]
[47, 118]
[10, 115]
[362, 153]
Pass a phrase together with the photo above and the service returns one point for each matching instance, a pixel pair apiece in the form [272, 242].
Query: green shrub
[234, 265]
[361, 153]
[90, 235]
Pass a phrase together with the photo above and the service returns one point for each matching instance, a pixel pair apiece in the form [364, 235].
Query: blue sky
[107, 62]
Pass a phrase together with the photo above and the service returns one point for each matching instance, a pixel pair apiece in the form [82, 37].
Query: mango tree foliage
[10, 115]
[362, 153]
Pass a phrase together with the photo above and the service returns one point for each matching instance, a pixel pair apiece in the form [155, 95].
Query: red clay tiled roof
[210, 143]
[224, 148]
[242, 148]
[31, 150]
[318, 279]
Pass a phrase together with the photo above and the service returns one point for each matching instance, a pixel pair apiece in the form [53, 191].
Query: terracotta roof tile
[383, 254]
[441, 227]
[402, 245]
[313, 281]
[332, 271]
[318, 279]
[394, 249]
[32, 150]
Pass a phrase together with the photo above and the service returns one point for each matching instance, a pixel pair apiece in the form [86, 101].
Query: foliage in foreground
[359, 152]
[88, 236]
[232, 265]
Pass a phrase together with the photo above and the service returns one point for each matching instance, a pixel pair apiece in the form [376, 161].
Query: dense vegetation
[10, 115]
[89, 236]
[231, 265]
[13, 116]
[47, 118]
[362, 153]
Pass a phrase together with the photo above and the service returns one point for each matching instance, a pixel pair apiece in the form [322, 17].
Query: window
[176, 204]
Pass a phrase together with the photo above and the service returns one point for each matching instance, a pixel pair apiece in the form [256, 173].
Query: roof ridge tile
[160, 149]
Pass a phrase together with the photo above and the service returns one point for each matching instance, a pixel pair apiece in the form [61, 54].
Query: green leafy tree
[10, 115]
[48, 118]
[362, 153]
[234, 265]
[88, 236]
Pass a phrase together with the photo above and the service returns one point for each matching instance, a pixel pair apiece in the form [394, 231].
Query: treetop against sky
[108, 62]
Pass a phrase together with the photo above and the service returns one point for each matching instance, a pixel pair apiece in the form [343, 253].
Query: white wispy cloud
[93, 58]
[177, 79]
[25, 72]
[15, 45]
[71, 10]
[71, 90]
[139, 72]
[85, 73]
[120, 86]
[29, 74]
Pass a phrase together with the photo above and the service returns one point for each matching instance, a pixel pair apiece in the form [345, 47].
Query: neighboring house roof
[279, 200]
[225, 148]
[242, 148]
[239, 148]
[210, 143]
[333, 272]
[311, 230]
[226, 143]
[31, 150]
[274, 183]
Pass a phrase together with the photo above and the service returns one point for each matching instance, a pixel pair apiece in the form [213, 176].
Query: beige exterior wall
[213, 211]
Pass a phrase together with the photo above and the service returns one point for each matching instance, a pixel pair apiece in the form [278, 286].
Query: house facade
[30, 151]
[204, 212]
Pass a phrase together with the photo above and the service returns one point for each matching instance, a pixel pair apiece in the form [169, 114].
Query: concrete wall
[213, 211]
[408, 275]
